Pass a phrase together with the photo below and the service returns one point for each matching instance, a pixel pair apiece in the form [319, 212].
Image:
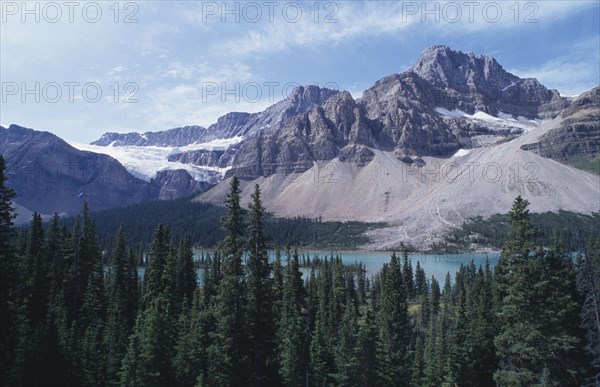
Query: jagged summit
[449, 106]
[461, 71]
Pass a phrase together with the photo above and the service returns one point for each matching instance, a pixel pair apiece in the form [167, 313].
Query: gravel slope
[421, 203]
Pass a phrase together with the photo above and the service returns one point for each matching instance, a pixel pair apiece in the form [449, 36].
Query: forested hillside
[573, 228]
[201, 221]
[533, 321]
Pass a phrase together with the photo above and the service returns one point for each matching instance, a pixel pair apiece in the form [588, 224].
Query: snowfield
[145, 162]
[501, 122]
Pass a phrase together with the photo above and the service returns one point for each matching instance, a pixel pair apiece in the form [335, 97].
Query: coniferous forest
[72, 315]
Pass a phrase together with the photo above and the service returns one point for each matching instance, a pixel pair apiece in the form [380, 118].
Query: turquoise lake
[436, 265]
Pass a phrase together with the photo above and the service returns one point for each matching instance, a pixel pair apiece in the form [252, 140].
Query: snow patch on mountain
[501, 122]
[146, 162]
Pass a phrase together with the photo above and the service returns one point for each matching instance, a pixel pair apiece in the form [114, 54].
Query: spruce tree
[557, 300]
[366, 352]
[395, 325]
[260, 320]
[9, 281]
[293, 334]
[34, 293]
[186, 272]
[407, 276]
[520, 339]
[159, 253]
[89, 327]
[122, 305]
[229, 354]
[588, 281]
[347, 368]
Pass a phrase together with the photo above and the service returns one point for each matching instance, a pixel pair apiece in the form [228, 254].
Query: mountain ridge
[321, 152]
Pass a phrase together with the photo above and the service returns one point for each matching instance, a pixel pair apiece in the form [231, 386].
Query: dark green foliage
[260, 309]
[588, 281]
[160, 251]
[407, 276]
[365, 353]
[201, 222]
[9, 280]
[571, 227]
[122, 305]
[293, 333]
[537, 312]
[229, 353]
[395, 329]
[186, 273]
[254, 323]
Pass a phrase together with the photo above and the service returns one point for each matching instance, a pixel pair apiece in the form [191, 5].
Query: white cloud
[573, 72]
[346, 21]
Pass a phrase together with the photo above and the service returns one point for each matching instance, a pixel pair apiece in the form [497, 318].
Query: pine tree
[519, 341]
[588, 281]
[89, 327]
[435, 297]
[261, 318]
[420, 280]
[483, 357]
[122, 305]
[186, 361]
[321, 356]
[35, 269]
[395, 325]
[293, 334]
[159, 253]
[9, 281]
[131, 373]
[186, 273]
[229, 353]
[407, 276]
[366, 352]
[148, 361]
[557, 300]
[347, 368]
[34, 293]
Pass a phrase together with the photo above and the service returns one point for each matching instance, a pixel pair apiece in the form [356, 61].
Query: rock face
[449, 100]
[177, 184]
[51, 176]
[205, 157]
[400, 113]
[316, 135]
[469, 83]
[578, 136]
[172, 137]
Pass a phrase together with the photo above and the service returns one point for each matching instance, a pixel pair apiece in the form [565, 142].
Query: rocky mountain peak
[444, 67]
[303, 98]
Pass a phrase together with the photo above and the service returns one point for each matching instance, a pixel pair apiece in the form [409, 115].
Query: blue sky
[152, 65]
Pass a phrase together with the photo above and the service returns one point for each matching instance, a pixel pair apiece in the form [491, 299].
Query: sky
[82, 68]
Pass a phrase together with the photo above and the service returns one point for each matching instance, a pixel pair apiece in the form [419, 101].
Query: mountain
[469, 83]
[50, 176]
[454, 136]
[177, 184]
[577, 139]
[424, 150]
[172, 137]
[421, 202]
[448, 101]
